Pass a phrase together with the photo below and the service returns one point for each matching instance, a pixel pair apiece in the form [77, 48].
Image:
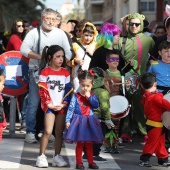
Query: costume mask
[98, 77]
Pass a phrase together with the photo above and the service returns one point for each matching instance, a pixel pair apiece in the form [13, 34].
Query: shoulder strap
[123, 45]
[83, 49]
[38, 29]
[81, 45]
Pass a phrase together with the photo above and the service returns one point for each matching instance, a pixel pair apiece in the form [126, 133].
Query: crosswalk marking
[10, 153]
[70, 150]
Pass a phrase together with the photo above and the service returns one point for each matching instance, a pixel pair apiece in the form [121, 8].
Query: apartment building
[99, 11]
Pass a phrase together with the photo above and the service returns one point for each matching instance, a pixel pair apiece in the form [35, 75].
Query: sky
[56, 4]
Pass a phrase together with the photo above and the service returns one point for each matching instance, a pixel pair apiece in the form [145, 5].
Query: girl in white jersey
[55, 93]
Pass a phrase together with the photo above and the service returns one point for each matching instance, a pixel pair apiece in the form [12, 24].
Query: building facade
[100, 11]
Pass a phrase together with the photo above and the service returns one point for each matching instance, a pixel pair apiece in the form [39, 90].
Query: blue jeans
[33, 102]
[24, 107]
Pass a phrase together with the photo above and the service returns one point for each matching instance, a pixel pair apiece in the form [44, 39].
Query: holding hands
[56, 108]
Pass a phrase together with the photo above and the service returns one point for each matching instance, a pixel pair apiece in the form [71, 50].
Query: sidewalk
[15, 154]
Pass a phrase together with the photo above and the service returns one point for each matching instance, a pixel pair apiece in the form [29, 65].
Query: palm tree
[24, 9]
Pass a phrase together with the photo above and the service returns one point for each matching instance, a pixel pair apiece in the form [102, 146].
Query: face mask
[112, 59]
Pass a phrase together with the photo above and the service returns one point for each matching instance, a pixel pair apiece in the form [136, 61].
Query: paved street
[15, 154]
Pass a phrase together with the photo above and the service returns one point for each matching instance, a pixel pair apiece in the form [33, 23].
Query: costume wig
[107, 33]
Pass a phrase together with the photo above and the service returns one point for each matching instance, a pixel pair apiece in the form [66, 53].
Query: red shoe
[126, 138]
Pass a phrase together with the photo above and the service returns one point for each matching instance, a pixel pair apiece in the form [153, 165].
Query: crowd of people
[76, 69]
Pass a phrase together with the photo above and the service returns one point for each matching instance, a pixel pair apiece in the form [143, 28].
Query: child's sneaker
[93, 166]
[99, 159]
[126, 138]
[107, 150]
[42, 161]
[80, 166]
[165, 163]
[115, 150]
[145, 163]
[59, 161]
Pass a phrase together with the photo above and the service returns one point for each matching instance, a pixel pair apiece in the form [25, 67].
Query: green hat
[141, 17]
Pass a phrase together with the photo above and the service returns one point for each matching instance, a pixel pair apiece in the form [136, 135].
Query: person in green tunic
[137, 46]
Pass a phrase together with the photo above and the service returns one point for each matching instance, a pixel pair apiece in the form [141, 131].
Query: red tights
[89, 151]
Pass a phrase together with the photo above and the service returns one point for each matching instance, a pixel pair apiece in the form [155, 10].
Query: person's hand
[90, 49]
[67, 125]
[55, 108]
[87, 94]
[4, 127]
[131, 62]
[128, 84]
[109, 124]
[79, 61]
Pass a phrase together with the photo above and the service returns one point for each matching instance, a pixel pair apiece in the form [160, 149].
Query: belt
[154, 123]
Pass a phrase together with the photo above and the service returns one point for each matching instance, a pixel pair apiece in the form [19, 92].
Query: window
[151, 6]
[147, 6]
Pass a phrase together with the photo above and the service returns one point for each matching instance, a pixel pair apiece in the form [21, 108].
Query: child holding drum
[116, 87]
[162, 70]
[154, 106]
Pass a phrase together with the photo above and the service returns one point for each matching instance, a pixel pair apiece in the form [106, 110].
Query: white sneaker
[59, 161]
[42, 161]
[30, 138]
[52, 138]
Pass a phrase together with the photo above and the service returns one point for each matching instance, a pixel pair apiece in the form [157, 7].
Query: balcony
[97, 2]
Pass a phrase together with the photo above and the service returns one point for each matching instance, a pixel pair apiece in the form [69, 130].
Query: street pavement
[15, 154]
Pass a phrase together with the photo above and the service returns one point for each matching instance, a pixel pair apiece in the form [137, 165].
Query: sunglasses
[136, 24]
[18, 26]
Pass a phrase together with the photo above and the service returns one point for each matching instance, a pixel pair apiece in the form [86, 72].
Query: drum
[166, 119]
[167, 97]
[166, 114]
[119, 107]
[15, 67]
[133, 78]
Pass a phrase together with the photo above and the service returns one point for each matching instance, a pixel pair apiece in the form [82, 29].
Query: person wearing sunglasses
[137, 45]
[17, 35]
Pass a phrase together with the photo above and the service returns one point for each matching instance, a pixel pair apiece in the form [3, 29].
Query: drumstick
[127, 63]
[120, 83]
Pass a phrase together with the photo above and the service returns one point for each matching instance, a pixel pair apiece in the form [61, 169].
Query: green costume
[138, 45]
[103, 95]
[103, 113]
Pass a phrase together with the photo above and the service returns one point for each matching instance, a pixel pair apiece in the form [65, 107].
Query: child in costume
[103, 113]
[162, 70]
[83, 50]
[3, 123]
[55, 93]
[82, 124]
[113, 84]
[154, 106]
